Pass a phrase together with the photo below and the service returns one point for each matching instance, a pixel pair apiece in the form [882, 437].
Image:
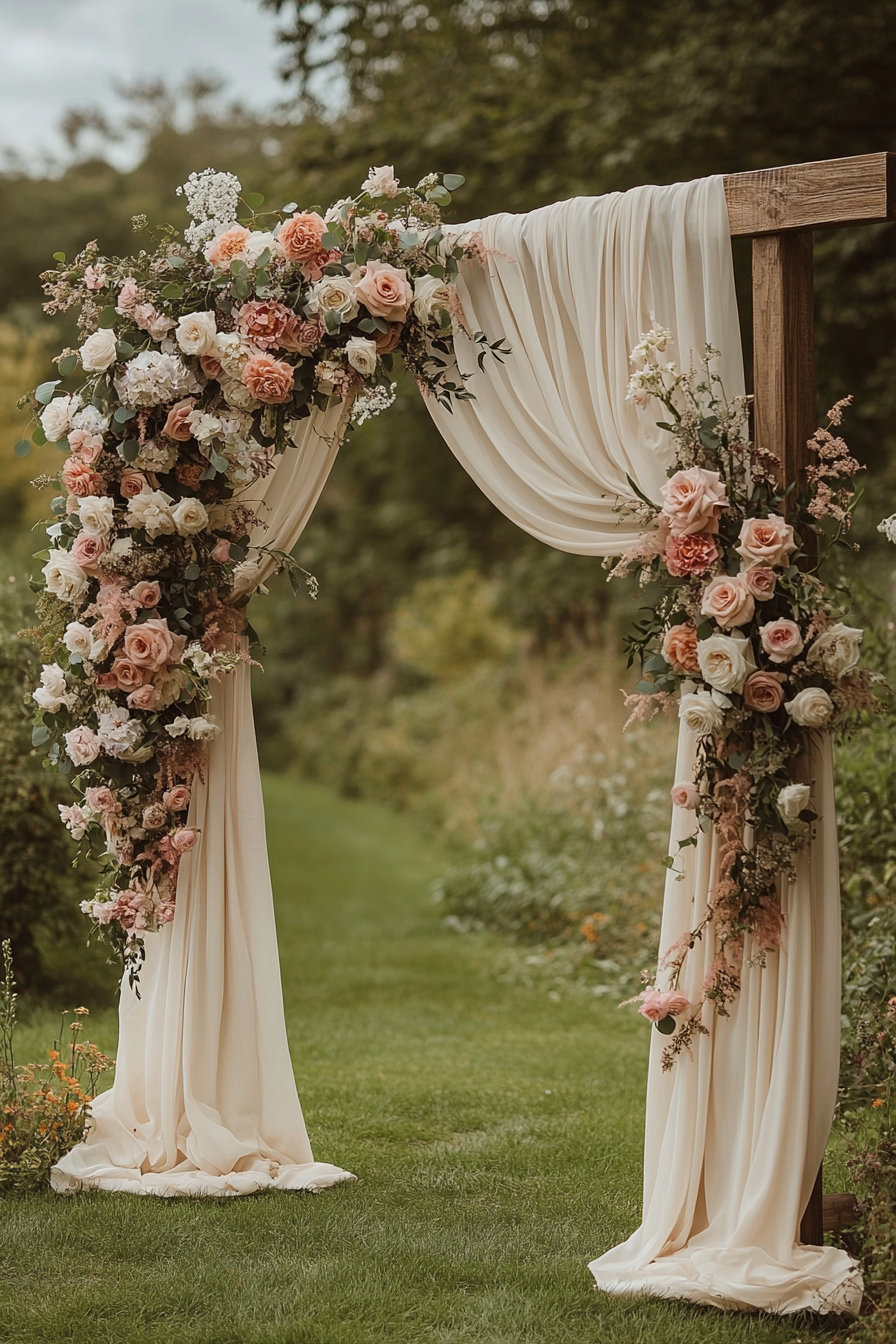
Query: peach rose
[79, 479]
[127, 674]
[384, 291]
[144, 697]
[268, 379]
[781, 640]
[87, 550]
[728, 601]
[761, 582]
[263, 322]
[684, 795]
[227, 247]
[147, 593]
[132, 483]
[680, 648]
[300, 237]
[210, 366]
[86, 446]
[177, 426]
[177, 799]
[693, 501]
[762, 691]
[766, 541]
[656, 1004]
[152, 645]
[386, 341]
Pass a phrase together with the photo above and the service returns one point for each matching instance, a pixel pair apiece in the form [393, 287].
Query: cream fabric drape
[204, 1100]
[735, 1135]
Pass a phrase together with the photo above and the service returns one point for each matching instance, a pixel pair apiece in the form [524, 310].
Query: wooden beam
[784, 348]
[839, 1212]
[823, 195]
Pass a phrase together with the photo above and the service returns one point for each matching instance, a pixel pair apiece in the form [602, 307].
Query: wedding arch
[204, 1101]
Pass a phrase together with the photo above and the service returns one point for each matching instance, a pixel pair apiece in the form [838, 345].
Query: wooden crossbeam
[823, 195]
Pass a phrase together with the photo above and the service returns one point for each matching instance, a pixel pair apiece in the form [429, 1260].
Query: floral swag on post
[748, 635]
[202, 358]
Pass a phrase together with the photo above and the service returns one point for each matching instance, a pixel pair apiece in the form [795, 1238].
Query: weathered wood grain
[784, 347]
[826, 194]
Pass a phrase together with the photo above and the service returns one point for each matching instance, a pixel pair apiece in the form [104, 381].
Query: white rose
[196, 333]
[430, 295]
[790, 802]
[52, 693]
[811, 708]
[189, 516]
[699, 712]
[725, 661]
[151, 509]
[97, 515]
[56, 419]
[65, 577]
[79, 641]
[836, 651]
[203, 728]
[99, 350]
[381, 181]
[361, 354]
[256, 243]
[334, 294]
[246, 574]
[231, 353]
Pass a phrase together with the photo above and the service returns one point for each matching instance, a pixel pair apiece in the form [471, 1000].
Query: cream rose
[79, 641]
[766, 541]
[361, 354]
[333, 294]
[693, 501]
[52, 694]
[196, 333]
[99, 351]
[189, 516]
[728, 601]
[811, 708]
[790, 802]
[151, 509]
[699, 712]
[836, 651]
[64, 577]
[725, 661]
[431, 295]
[56, 419]
[97, 514]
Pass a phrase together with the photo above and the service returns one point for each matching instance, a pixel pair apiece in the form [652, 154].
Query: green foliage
[447, 627]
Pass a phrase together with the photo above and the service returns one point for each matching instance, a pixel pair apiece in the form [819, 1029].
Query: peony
[228, 244]
[728, 601]
[82, 745]
[836, 651]
[127, 674]
[699, 712]
[766, 541]
[79, 641]
[79, 479]
[361, 354]
[381, 181]
[657, 1004]
[684, 795]
[99, 351]
[128, 296]
[151, 509]
[760, 582]
[781, 640]
[725, 661]
[154, 816]
[334, 295]
[811, 708]
[790, 802]
[132, 483]
[431, 296]
[147, 593]
[56, 418]
[264, 321]
[189, 516]
[151, 644]
[52, 694]
[97, 514]
[680, 648]
[87, 446]
[196, 333]
[86, 550]
[693, 501]
[690, 554]
[763, 691]
[177, 799]
[75, 819]
[300, 237]
[64, 577]
[268, 379]
[221, 553]
[384, 291]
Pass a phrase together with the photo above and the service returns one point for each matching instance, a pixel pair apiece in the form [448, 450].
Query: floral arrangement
[46, 1107]
[747, 635]
[200, 359]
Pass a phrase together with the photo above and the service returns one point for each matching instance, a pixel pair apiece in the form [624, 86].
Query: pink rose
[151, 644]
[177, 426]
[210, 366]
[300, 237]
[728, 601]
[766, 541]
[781, 640]
[300, 337]
[763, 691]
[384, 291]
[101, 799]
[127, 674]
[147, 593]
[657, 1004]
[79, 479]
[94, 277]
[761, 582]
[268, 379]
[227, 247]
[82, 745]
[680, 648]
[87, 446]
[87, 550]
[154, 816]
[127, 297]
[221, 553]
[150, 320]
[693, 501]
[132, 483]
[144, 697]
[684, 795]
[177, 799]
[183, 840]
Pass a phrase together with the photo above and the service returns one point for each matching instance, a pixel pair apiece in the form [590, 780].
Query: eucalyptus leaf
[130, 450]
[288, 209]
[453, 181]
[67, 365]
[122, 414]
[407, 239]
[39, 437]
[44, 393]
[439, 196]
[22, 448]
[107, 319]
[666, 1025]
[192, 571]
[254, 200]
[362, 252]
[172, 290]
[124, 349]
[59, 256]
[40, 733]
[176, 262]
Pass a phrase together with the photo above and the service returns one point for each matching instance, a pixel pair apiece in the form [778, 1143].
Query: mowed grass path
[496, 1136]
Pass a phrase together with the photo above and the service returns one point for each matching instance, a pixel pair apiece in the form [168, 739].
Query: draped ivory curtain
[734, 1136]
[204, 1100]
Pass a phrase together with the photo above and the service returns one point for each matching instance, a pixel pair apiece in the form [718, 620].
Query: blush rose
[728, 601]
[781, 640]
[151, 644]
[693, 501]
[766, 541]
[763, 691]
[384, 290]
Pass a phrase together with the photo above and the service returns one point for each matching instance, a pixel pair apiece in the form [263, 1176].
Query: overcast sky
[59, 54]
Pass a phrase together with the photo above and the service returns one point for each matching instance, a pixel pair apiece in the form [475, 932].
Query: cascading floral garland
[748, 636]
[201, 359]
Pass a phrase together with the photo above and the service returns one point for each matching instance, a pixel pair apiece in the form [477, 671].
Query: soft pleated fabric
[204, 1100]
[734, 1135]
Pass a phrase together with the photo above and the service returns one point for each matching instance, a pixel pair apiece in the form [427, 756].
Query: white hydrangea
[212, 200]
[90, 420]
[155, 456]
[118, 732]
[888, 527]
[153, 378]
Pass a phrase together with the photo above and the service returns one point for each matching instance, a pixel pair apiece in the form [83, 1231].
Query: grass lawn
[496, 1135]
